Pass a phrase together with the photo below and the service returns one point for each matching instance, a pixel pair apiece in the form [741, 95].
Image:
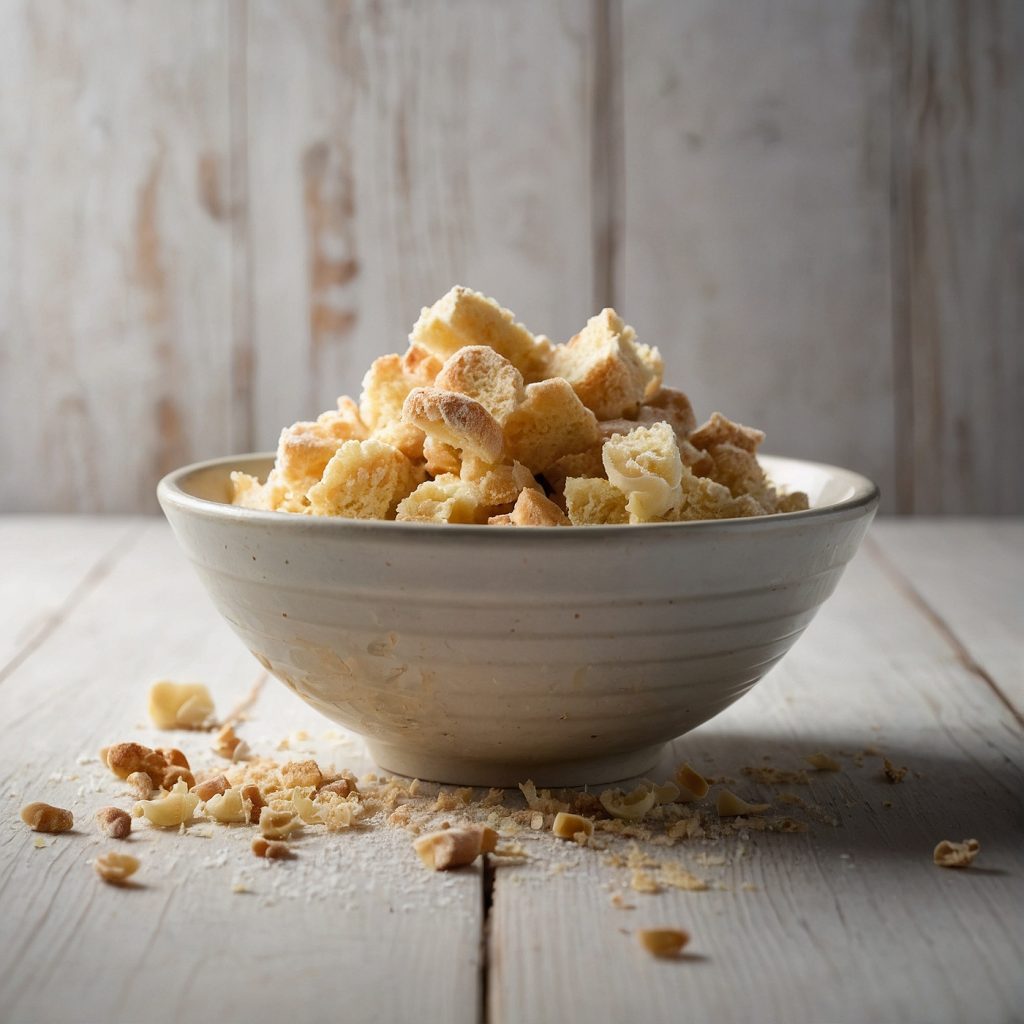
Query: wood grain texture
[214, 216]
[849, 922]
[958, 245]
[845, 923]
[354, 922]
[755, 248]
[976, 598]
[44, 575]
[114, 271]
[395, 149]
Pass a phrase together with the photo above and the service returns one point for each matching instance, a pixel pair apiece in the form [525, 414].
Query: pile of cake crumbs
[679, 834]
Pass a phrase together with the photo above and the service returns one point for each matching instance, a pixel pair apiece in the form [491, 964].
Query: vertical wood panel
[958, 237]
[114, 270]
[396, 149]
[756, 246]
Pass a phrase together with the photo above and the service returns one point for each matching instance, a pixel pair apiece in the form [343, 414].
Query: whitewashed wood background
[214, 214]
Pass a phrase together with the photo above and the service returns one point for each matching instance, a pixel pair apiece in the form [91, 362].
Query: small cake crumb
[891, 772]
[730, 805]
[116, 868]
[42, 817]
[663, 942]
[823, 763]
[956, 855]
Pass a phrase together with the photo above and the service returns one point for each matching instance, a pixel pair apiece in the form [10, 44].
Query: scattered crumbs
[641, 881]
[887, 803]
[239, 887]
[749, 887]
[768, 776]
[821, 762]
[676, 876]
[891, 772]
[40, 843]
[618, 901]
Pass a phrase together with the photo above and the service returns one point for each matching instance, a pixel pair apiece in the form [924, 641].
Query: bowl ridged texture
[487, 656]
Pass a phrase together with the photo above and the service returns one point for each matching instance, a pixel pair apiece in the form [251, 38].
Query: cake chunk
[444, 500]
[604, 368]
[721, 430]
[455, 420]
[645, 466]
[484, 375]
[593, 501]
[550, 422]
[465, 317]
[364, 480]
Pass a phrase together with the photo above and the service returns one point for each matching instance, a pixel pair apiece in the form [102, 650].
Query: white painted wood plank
[353, 925]
[115, 270]
[755, 248]
[395, 150]
[958, 282]
[46, 564]
[850, 923]
[970, 573]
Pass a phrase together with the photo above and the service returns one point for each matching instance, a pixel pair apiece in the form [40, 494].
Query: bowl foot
[508, 774]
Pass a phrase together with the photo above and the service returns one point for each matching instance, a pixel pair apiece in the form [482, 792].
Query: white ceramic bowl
[483, 656]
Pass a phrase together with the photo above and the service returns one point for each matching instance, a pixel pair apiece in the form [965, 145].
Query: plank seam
[901, 258]
[243, 412]
[96, 573]
[487, 882]
[903, 584]
[607, 154]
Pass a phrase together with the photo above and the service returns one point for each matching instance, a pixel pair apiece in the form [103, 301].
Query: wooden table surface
[918, 656]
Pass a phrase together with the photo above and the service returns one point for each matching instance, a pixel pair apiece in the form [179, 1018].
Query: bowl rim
[171, 494]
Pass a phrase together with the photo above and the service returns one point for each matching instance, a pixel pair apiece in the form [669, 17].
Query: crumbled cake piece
[671, 406]
[454, 848]
[464, 317]
[549, 423]
[729, 805]
[456, 420]
[114, 822]
[567, 825]
[446, 499]
[384, 389]
[604, 367]
[630, 806]
[363, 480]
[663, 942]
[533, 509]
[41, 817]
[645, 466]
[116, 868]
[594, 502]
[486, 376]
[229, 744]
[175, 808]
[180, 705]
[956, 855]
[891, 773]
[720, 430]
[271, 849]
[691, 782]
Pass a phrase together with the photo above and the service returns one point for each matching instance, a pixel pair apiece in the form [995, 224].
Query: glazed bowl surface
[483, 656]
